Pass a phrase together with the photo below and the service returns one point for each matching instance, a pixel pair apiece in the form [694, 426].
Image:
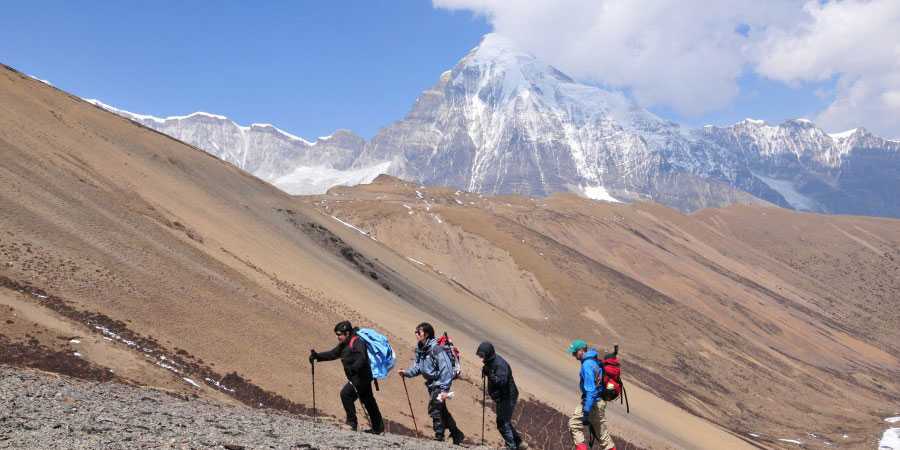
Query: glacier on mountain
[316, 180]
[790, 193]
[599, 193]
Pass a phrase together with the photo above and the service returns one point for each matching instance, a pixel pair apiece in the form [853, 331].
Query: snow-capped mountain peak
[502, 121]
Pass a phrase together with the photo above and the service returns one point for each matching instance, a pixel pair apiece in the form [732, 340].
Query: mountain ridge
[501, 121]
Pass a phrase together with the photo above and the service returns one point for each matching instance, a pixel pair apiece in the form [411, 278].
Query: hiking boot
[373, 431]
[353, 426]
[458, 437]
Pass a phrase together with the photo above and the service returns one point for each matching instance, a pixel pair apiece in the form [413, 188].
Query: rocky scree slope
[42, 410]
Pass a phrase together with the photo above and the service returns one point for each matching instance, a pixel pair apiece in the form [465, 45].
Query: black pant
[440, 416]
[505, 407]
[365, 395]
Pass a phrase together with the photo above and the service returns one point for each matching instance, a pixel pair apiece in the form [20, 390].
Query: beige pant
[598, 421]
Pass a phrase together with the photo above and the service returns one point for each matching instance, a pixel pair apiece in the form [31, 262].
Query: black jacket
[501, 384]
[355, 359]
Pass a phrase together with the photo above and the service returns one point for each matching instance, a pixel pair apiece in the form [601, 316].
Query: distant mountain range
[503, 122]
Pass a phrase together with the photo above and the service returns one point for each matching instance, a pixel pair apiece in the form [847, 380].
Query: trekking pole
[315, 411]
[410, 406]
[483, 406]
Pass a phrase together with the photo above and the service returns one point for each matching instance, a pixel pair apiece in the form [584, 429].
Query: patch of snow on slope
[42, 81]
[351, 226]
[307, 180]
[890, 440]
[599, 193]
[789, 192]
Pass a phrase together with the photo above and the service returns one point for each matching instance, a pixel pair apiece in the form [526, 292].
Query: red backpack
[446, 344]
[611, 381]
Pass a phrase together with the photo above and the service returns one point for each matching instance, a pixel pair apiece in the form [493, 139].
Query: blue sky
[307, 67]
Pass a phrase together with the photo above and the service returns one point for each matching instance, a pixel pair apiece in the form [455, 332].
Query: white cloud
[856, 41]
[685, 54]
[689, 54]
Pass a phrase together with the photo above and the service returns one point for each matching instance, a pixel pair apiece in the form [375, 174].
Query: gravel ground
[42, 411]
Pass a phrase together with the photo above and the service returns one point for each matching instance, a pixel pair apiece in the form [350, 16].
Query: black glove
[313, 356]
[585, 419]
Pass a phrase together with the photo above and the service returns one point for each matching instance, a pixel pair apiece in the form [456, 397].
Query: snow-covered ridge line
[153, 118]
[279, 130]
[843, 134]
[41, 80]
[162, 120]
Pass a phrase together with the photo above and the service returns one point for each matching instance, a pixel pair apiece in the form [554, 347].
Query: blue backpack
[381, 355]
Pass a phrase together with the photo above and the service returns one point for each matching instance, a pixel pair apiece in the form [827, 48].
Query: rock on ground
[40, 410]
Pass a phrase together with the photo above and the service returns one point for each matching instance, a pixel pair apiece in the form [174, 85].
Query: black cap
[343, 327]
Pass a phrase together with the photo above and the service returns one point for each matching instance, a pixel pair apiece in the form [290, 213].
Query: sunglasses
[418, 332]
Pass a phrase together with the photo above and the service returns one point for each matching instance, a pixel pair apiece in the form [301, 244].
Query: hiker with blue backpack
[438, 362]
[355, 350]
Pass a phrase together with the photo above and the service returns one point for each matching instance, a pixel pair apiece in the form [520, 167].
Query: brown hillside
[161, 265]
[772, 323]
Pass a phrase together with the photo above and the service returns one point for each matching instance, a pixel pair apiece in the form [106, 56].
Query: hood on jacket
[591, 353]
[485, 350]
[423, 347]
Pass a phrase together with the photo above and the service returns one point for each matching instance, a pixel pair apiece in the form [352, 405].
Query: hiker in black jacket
[353, 354]
[503, 391]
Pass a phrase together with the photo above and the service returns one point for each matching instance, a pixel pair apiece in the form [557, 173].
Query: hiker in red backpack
[592, 411]
[355, 359]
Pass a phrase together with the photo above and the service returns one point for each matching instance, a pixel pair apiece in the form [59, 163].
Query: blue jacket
[590, 372]
[433, 363]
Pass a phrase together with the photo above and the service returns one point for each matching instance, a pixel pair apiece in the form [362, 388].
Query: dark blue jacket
[501, 384]
[590, 372]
